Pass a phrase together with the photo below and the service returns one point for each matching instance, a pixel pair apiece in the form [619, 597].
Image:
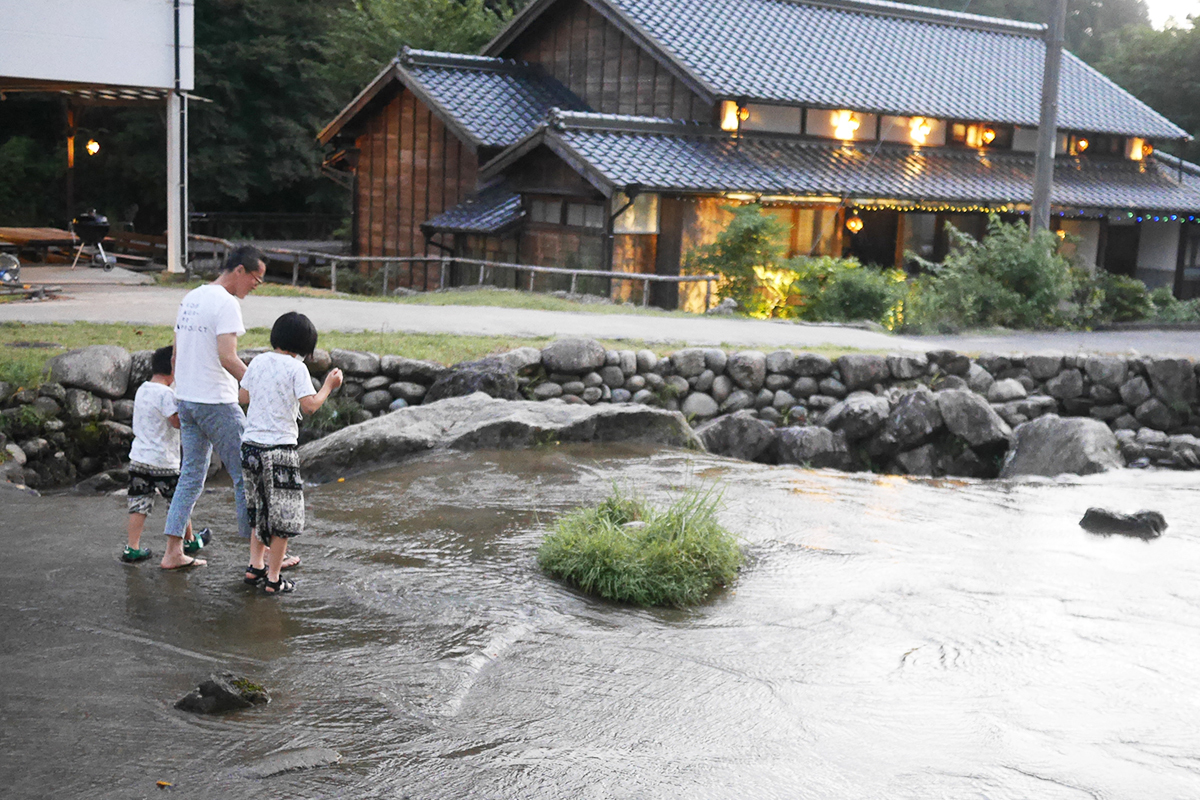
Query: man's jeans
[204, 427]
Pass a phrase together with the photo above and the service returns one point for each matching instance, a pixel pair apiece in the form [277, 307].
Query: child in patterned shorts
[154, 456]
[278, 388]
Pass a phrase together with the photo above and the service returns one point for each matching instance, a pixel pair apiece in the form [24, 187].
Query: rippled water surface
[888, 638]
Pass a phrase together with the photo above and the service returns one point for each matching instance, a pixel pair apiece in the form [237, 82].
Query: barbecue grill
[91, 228]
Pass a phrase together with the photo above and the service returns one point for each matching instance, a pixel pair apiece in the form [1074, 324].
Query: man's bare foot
[182, 562]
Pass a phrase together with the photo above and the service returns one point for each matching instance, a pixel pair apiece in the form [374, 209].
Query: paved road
[154, 305]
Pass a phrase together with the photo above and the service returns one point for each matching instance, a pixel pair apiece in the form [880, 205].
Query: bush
[1125, 298]
[676, 558]
[335, 414]
[1010, 279]
[843, 290]
[745, 255]
[1165, 308]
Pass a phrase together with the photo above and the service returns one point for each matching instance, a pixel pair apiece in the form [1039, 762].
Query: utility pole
[1043, 175]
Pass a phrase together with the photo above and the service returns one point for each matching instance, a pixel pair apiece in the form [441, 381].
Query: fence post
[333, 265]
[645, 294]
[707, 295]
[295, 268]
[386, 270]
[574, 275]
[442, 276]
[482, 269]
[531, 274]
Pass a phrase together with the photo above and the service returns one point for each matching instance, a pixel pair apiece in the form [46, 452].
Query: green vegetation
[336, 413]
[748, 255]
[629, 552]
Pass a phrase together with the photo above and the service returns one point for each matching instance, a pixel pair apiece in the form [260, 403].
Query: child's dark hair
[160, 362]
[294, 333]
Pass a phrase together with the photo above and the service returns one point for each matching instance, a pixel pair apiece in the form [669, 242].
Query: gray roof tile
[496, 101]
[887, 57]
[490, 211]
[664, 156]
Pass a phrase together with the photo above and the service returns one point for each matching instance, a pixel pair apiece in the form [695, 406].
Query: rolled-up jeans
[204, 427]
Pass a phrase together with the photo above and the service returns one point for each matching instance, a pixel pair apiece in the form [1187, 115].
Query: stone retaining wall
[940, 413]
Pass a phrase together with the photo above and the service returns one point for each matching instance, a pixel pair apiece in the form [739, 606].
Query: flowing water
[888, 638]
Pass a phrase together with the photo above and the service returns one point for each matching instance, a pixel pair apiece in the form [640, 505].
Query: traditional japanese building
[614, 134]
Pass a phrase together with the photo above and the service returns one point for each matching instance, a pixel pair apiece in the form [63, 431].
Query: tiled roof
[495, 101]
[490, 211]
[871, 55]
[665, 156]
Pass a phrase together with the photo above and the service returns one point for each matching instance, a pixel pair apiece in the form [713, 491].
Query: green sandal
[201, 539]
[132, 555]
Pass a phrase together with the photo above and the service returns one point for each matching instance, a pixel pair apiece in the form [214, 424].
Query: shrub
[675, 558]
[1165, 308]
[335, 414]
[1009, 279]
[744, 255]
[843, 290]
[1125, 298]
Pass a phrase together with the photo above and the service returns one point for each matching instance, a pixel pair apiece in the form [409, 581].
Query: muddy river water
[888, 638]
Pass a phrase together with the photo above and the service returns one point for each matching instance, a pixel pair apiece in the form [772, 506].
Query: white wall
[1158, 249]
[116, 42]
[1088, 247]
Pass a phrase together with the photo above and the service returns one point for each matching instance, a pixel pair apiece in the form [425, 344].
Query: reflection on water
[888, 638]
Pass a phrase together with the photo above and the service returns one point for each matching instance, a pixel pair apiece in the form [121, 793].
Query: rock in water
[223, 692]
[478, 421]
[292, 760]
[1051, 445]
[1143, 524]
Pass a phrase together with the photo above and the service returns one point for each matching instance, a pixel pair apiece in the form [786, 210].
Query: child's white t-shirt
[276, 383]
[155, 441]
[206, 312]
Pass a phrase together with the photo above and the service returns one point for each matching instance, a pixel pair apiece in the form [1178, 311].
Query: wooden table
[39, 240]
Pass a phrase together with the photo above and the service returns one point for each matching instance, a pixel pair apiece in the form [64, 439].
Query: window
[542, 210]
[585, 215]
[981, 134]
[917, 131]
[849, 126]
[641, 217]
[777, 119]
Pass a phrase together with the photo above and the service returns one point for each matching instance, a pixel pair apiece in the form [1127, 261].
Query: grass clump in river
[628, 551]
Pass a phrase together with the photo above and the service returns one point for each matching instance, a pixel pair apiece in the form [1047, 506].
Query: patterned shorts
[274, 490]
[145, 482]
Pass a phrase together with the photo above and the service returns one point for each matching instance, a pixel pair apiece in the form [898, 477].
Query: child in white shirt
[278, 388]
[154, 456]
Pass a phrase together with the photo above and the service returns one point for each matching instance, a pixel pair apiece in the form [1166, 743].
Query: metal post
[295, 268]
[645, 294]
[175, 210]
[333, 275]
[1043, 181]
[385, 278]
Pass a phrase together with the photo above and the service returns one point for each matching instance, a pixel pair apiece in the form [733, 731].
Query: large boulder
[1173, 380]
[689, 362]
[399, 368]
[971, 418]
[1051, 445]
[140, 370]
[811, 365]
[478, 421]
[353, 362]
[863, 371]
[914, 420]
[102, 369]
[748, 369]
[574, 356]
[739, 435]
[700, 406]
[522, 358]
[492, 376]
[812, 446]
[907, 366]
[1106, 371]
[862, 415]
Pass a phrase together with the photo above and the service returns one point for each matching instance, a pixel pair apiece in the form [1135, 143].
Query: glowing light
[919, 129]
[1081, 145]
[729, 115]
[845, 124]
[854, 224]
[988, 135]
[92, 147]
[1137, 149]
[743, 114]
[1061, 234]
[1147, 150]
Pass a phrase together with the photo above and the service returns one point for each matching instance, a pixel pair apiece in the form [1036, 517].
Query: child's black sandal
[281, 586]
[259, 573]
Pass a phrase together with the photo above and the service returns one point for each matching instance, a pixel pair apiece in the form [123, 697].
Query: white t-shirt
[155, 441]
[276, 383]
[205, 313]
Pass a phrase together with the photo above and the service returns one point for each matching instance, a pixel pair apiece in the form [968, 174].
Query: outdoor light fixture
[854, 224]
[1081, 145]
[845, 124]
[919, 129]
[733, 114]
[92, 147]
[988, 135]
[1147, 150]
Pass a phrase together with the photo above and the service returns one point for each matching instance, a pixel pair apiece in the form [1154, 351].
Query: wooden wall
[559, 246]
[632, 252]
[411, 168]
[607, 69]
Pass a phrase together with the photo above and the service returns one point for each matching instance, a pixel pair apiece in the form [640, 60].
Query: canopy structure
[109, 52]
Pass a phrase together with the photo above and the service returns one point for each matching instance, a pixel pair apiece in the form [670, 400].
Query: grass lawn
[26, 347]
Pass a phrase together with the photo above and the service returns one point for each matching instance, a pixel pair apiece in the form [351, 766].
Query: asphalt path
[155, 305]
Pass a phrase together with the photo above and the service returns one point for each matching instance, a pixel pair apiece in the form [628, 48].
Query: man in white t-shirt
[207, 372]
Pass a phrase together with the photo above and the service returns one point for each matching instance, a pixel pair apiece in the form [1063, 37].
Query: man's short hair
[244, 255]
[160, 362]
[294, 333]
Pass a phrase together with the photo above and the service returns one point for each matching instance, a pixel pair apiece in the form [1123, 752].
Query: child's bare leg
[136, 523]
[258, 553]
